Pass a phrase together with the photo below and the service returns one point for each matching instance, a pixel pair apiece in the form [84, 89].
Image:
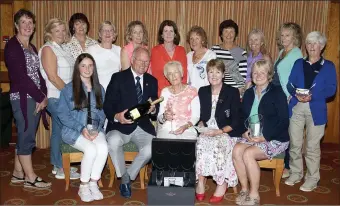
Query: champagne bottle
[140, 110]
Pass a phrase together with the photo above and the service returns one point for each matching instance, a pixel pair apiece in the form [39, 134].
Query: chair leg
[66, 167]
[100, 183]
[235, 189]
[112, 171]
[142, 177]
[278, 174]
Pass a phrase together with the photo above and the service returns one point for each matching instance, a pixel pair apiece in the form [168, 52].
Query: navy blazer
[274, 109]
[121, 94]
[228, 109]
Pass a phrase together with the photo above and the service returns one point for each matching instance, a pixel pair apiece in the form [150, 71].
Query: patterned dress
[214, 154]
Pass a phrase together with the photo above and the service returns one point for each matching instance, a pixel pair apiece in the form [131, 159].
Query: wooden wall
[267, 15]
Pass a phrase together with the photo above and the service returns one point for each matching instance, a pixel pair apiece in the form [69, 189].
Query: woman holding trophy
[265, 137]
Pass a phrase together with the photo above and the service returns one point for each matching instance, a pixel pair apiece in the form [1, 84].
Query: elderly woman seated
[221, 118]
[270, 102]
[180, 109]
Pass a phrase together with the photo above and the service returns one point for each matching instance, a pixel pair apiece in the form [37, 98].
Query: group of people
[208, 95]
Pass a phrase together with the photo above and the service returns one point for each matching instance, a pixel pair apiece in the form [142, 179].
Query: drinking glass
[255, 125]
[159, 177]
[186, 178]
[93, 124]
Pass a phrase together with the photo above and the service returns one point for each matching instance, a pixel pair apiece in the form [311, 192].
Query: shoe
[84, 193]
[15, 179]
[241, 197]
[55, 169]
[285, 173]
[61, 175]
[200, 197]
[217, 199]
[251, 201]
[292, 180]
[37, 184]
[96, 194]
[309, 186]
[125, 190]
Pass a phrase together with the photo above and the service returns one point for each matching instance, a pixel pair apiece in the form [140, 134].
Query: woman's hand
[180, 130]
[213, 132]
[258, 139]
[86, 134]
[40, 106]
[246, 135]
[168, 115]
[200, 124]
[304, 99]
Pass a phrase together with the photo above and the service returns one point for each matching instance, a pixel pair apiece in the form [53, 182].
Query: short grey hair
[316, 36]
[176, 64]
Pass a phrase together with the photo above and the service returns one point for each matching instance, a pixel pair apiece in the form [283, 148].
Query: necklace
[26, 47]
[173, 90]
[197, 56]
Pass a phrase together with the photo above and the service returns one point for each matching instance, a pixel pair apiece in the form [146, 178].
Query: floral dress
[214, 154]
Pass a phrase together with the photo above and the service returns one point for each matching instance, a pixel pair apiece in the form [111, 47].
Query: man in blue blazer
[125, 90]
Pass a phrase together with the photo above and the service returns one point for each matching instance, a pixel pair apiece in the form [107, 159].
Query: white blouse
[107, 62]
[197, 73]
[65, 64]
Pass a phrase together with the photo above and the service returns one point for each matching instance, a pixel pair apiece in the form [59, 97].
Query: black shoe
[125, 190]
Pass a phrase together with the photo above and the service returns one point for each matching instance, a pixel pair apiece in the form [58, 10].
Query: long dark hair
[79, 96]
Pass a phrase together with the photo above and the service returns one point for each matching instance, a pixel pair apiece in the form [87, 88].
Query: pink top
[129, 48]
[181, 105]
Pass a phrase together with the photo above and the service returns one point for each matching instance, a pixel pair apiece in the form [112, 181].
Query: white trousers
[94, 158]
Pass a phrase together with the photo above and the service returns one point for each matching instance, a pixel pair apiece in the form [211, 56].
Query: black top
[310, 71]
[121, 94]
[274, 109]
[276, 78]
[228, 109]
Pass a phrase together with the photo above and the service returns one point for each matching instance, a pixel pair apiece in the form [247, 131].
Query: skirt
[270, 149]
[214, 158]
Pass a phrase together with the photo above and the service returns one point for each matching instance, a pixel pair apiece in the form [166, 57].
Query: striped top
[235, 61]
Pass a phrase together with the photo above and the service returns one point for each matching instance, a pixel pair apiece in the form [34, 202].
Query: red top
[159, 57]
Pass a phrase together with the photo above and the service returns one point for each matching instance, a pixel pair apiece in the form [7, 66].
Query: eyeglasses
[108, 31]
[145, 63]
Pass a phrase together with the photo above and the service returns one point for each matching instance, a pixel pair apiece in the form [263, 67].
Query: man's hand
[120, 117]
[152, 107]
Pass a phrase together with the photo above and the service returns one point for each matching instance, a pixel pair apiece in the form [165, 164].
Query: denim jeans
[56, 133]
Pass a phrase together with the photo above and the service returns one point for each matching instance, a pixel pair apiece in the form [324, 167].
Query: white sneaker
[61, 175]
[309, 186]
[96, 194]
[285, 173]
[55, 169]
[292, 180]
[85, 193]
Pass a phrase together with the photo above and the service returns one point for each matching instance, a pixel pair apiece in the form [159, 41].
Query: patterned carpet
[15, 194]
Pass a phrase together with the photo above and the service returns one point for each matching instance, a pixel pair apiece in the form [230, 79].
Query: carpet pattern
[327, 193]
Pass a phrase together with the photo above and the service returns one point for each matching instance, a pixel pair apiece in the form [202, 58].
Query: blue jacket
[325, 87]
[274, 109]
[74, 121]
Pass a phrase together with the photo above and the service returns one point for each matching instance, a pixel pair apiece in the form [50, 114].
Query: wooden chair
[70, 155]
[130, 152]
[277, 164]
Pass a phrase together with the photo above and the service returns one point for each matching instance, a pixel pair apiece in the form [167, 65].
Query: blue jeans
[56, 133]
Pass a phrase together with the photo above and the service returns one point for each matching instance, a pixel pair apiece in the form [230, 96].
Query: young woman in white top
[106, 54]
[198, 57]
[56, 68]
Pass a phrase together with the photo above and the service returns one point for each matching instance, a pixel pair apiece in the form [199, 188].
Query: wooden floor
[326, 194]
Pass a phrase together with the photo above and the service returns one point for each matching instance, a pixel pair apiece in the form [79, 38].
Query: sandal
[38, 184]
[241, 197]
[15, 179]
[251, 201]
